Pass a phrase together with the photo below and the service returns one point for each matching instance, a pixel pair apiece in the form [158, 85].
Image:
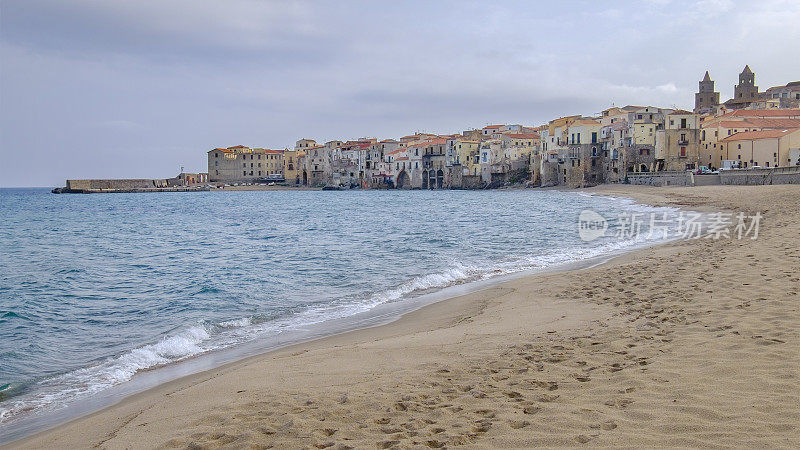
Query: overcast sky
[139, 88]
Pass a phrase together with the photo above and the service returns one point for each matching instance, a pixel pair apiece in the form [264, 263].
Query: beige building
[714, 129]
[766, 148]
[240, 164]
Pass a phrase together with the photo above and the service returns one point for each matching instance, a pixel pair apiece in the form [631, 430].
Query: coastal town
[753, 131]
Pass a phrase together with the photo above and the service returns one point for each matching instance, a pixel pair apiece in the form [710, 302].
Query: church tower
[706, 100]
[746, 90]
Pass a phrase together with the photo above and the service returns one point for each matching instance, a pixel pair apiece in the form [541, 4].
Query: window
[216, 163]
[683, 123]
[683, 151]
[216, 155]
[244, 173]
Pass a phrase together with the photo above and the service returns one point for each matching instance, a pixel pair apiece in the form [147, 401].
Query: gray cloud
[137, 89]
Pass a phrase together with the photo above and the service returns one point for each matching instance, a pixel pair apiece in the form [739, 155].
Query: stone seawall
[177, 184]
[80, 185]
[777, 175]
[683, 178]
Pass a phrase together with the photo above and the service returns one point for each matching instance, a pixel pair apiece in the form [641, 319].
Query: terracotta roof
[733, 124]
[524, 136]
[780, 122]
[492, 127]
[757, 122]
[680, 112]
[763, 134]
[763, 113]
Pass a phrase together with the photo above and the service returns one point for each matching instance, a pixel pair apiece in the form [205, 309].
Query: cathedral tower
[746, 90]
[706, 100]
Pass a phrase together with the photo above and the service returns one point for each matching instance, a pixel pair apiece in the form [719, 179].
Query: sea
[103, 295]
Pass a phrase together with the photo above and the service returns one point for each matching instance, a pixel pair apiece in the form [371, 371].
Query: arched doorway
[403, 180]
[439, 178]
[644, 168]
[425, 179]
[305, 178]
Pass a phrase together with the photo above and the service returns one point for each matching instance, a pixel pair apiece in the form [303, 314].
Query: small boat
[5, 386]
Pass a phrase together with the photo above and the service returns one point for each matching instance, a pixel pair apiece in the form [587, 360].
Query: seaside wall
[471, 181]
[777, 175]
[78, 185]
[671, 178]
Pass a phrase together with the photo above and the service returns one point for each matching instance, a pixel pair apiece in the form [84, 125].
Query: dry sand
[693, 343]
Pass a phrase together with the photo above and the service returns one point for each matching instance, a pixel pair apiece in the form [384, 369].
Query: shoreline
[489, 341]
[193, 368]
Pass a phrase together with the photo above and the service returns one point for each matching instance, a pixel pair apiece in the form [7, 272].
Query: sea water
[95, 289]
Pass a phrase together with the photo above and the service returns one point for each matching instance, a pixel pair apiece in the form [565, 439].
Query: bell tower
[746, 90]
[706, 100]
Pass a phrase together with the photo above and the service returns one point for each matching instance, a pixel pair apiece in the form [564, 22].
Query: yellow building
[293, 166]
[466, 152]
[766, 148]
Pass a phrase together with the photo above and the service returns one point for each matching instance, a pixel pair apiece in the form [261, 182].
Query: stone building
[584, 165]
[680, 149]
[787, 96]
[240, 164]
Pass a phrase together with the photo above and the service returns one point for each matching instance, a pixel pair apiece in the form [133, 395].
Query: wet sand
[692, 343]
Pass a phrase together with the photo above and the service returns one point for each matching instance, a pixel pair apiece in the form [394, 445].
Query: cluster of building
[752, 129]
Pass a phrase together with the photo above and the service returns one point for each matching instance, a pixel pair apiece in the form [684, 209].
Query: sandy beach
[692, 343]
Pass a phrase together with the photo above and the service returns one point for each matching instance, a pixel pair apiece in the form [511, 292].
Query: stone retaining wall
[777, 175]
